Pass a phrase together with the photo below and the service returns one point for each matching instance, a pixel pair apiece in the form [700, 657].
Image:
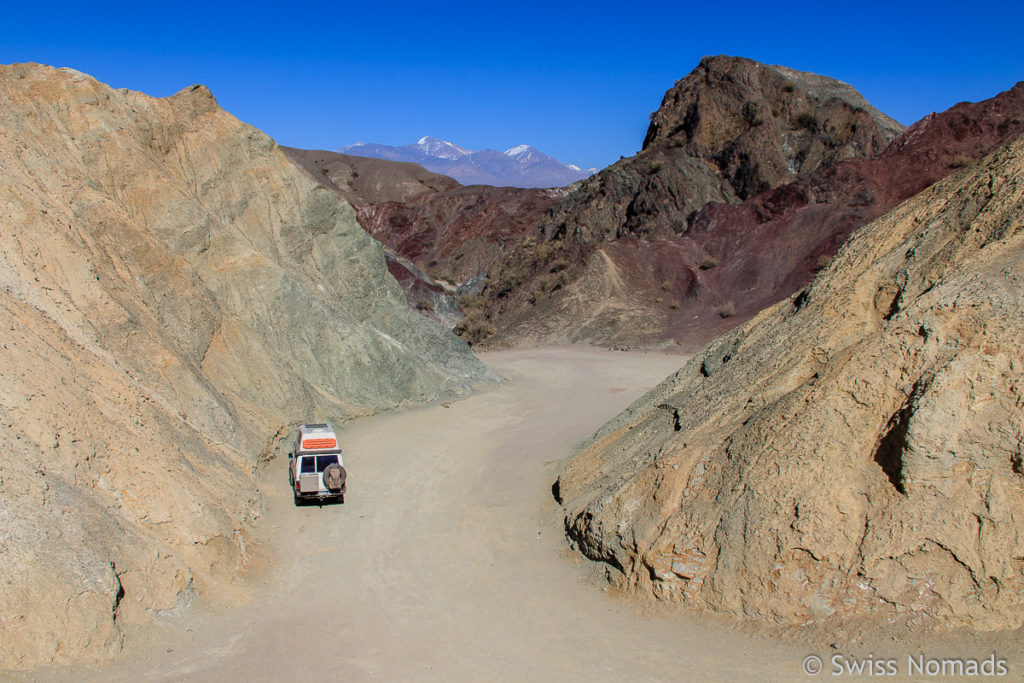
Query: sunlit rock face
[173, 292]
[854, 449]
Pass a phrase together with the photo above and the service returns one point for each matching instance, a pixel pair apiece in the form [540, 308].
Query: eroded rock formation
[853, 449]
[732, 260]
[614, 259]
[729, 130]
[174, 291]
[441, 238]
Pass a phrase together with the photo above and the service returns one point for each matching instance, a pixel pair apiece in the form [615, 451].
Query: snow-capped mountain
[520, 166]
[442, 149]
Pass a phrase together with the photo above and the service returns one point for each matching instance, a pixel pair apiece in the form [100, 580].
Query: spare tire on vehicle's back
[334, 477]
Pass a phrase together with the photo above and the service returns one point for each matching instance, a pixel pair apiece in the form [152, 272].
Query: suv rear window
[322, 462]
[308, 466]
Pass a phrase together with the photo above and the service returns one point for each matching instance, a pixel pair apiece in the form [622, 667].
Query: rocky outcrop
[795, 228]
[174, 292]
[441, 238]
[459, 232]
[733, 260]
[728, 131]
[763, 126]
[855, 449]
[454, 231]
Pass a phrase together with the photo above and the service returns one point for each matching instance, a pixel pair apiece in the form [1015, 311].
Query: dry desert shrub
[521, 263]
[806, 119]
[558, 265]
[470, 302]
[960, 161]
[475, 327]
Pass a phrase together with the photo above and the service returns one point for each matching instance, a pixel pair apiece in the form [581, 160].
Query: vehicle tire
[334, 477]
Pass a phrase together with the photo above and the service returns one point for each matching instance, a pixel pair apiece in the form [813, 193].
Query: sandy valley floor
[447, 560]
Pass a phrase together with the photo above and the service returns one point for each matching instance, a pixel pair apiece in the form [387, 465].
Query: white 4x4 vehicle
[315, 468]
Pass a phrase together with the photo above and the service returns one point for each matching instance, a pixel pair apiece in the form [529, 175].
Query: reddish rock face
[730, 129]
[683, 241]
[733, 260]
[437, 234]
[791, 231]
[452, 231]
[455, 234]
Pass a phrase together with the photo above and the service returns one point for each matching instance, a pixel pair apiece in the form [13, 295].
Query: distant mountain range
[520, 166]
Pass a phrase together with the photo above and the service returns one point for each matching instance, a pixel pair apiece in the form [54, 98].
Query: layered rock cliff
[600, 261]
[441, 238]
[733, 260]
[854, 449]
[729, 130]
[174, 293]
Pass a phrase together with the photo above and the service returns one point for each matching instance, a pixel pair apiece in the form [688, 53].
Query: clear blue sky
[576, 80]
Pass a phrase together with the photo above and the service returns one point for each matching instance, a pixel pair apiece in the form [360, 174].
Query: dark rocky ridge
[733, 259]
[731, 128]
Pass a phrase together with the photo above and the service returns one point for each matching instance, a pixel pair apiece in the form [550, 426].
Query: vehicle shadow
[314, 502]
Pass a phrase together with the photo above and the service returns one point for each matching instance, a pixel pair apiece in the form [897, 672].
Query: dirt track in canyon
[447, 560]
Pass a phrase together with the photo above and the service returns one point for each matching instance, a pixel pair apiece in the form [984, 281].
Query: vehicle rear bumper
[323, 495]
